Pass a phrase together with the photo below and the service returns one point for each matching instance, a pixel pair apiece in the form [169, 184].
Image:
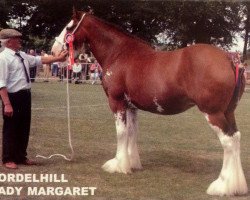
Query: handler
[15, 93]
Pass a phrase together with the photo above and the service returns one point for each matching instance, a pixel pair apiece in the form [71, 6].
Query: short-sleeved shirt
[12, 74]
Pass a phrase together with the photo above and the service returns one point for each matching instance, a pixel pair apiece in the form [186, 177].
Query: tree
[48, 19]
[246, 12]
[4, 10]
[183, 22]
[19, 17]
[180, 22]
[212, 22]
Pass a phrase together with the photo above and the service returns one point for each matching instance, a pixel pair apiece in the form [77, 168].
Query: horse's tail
[239, 85]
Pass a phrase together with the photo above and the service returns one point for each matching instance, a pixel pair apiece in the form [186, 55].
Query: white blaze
[59, 42]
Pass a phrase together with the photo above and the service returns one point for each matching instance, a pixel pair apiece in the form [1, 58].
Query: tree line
[169, 24]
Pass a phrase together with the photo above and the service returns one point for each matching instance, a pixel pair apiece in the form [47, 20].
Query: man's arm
[50, 59]
[8, 110]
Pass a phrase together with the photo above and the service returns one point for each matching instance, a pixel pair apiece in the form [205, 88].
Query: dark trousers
[16, 129]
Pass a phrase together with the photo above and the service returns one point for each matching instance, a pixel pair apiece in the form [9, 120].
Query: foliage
[246, 27]
[4, 10]
[183, 22]
[179, 23]
[212, 22]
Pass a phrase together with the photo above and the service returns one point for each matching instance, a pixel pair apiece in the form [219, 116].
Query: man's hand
[50, 59]
[8, 110]
[62, 56]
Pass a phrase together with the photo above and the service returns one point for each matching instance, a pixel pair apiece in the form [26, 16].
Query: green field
[180, 154]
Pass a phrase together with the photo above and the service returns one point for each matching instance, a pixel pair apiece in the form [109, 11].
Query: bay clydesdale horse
[135, 76]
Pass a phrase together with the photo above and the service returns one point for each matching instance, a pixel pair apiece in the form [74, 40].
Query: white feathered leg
[231, 180]
[132, 126]
[121, 161]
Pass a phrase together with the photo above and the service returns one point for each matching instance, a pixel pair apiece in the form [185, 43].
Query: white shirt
[77, 67]
[12, 74]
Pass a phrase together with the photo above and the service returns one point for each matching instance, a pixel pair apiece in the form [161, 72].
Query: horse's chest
[109, 77]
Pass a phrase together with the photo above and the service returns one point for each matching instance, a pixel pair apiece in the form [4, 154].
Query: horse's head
[74, 27]
[59, 43]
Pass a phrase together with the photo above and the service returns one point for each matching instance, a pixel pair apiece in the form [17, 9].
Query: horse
[136, 76]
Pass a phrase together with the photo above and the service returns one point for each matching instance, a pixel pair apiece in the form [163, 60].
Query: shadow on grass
[186, 162]
[182, 161]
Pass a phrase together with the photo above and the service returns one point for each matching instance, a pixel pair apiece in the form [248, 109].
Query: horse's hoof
[136, 167]
[221, 187]
[113, 166]
[135, 164]
[217, 188]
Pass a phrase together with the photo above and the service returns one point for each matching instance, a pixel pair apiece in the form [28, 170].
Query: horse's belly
[167, 107]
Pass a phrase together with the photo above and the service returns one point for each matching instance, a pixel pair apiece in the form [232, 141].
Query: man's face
[32, 52]
[14, 43]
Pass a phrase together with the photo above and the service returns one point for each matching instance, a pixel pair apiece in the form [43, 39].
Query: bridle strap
[78, 24]
[75, 29]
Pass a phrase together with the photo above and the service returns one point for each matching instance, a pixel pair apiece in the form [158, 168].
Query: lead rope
[78, 24]
[69, 39]
[69, 129]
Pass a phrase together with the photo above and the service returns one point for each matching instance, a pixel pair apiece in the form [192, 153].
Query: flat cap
[9, 33]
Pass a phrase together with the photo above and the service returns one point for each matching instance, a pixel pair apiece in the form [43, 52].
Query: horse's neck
[107, 43]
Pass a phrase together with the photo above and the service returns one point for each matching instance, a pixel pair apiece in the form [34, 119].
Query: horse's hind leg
[132, 126]
[231, 180]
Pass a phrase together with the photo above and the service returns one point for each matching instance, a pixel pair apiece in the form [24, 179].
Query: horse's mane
[119, 30]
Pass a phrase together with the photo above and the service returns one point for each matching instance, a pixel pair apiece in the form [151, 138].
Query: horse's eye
[68, 28]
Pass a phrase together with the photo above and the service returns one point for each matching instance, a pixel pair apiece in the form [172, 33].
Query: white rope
[78, 24]
[69, 131]
[68, 110]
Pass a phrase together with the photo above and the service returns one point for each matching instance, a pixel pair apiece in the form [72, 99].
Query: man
[16, 97]
[77, 71]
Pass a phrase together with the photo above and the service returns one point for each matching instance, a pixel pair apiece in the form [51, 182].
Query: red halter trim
[236, 72]
[69, 38]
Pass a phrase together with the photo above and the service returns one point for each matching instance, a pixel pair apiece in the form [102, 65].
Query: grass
[180, 154]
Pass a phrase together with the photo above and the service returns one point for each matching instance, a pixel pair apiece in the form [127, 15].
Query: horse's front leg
[121, 162]
[133, 152]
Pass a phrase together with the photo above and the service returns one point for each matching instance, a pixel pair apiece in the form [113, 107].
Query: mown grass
[180, 154]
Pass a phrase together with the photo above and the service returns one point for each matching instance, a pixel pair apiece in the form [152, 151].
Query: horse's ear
[74, 12]
[91, 11]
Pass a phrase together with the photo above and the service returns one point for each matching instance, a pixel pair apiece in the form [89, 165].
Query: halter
[78, 24]
[63, 44]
